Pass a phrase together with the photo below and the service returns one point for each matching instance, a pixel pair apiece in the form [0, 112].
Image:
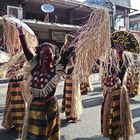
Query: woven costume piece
[43, 104]
[17, 72]
[67, 96]
[43, 119]
[13, 45]
[15, 103]
[92, 41]
[110, 118]
[116, 117]
[132, 77]
[15, 106]
[11, 39]
[125, 40]
[71, 103]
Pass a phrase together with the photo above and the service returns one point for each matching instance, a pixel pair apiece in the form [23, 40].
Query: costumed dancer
[131, 43]
[42, 120]
[15, 104]
[116, 121]
[71, 102]
[15, 100]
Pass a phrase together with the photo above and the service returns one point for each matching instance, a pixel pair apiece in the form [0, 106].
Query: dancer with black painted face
[43, 119]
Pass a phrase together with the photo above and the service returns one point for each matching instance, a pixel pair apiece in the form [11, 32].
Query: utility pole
[114, 14]
[111, 5]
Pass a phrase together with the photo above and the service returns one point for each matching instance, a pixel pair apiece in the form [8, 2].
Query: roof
[60, 3]
[66, 3]
[123, 3]
[134, 13]
[43, 25]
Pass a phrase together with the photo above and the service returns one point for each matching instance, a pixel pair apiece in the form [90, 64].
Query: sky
[134, 4]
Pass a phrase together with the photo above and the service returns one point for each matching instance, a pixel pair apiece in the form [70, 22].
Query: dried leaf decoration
[92, 41]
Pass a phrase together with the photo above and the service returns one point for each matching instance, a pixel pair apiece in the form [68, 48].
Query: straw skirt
[72, 103]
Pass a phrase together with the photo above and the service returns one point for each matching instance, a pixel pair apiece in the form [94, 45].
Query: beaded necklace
[40, 79]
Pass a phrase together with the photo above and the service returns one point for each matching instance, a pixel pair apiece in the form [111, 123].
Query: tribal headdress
[13, 45]
[125, 40]
[91, 42]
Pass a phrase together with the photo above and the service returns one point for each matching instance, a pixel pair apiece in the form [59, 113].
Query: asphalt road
[89, 126]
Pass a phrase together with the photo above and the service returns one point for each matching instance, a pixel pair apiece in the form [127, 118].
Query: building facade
[119, 11]
[135, 21]
[67, 16]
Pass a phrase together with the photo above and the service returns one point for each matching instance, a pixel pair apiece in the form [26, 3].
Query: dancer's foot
[73, 120]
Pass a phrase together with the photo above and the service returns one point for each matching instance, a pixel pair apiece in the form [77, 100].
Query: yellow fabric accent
[116, 113]
[16, 106]
[69, 81]
[68, 88]
[36, 130]
[18, 114]
[18, 121]
[116, 123]
[116, 103]
[37, 115]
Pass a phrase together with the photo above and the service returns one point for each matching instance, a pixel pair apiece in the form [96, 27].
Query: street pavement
[89, 126]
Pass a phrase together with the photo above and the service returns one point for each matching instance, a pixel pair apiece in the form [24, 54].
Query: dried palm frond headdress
[91, 42]
[13, 45]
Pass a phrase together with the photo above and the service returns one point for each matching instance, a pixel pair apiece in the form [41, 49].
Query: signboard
[58, 36]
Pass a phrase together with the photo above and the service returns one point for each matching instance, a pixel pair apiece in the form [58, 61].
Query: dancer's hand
[65, 57]
[20, 30]
[69, 52]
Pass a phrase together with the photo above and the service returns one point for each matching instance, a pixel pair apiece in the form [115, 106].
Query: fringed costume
[43, 120]
[116, 119]
[15, 106]
[130, 42]
[85, 87]
[42, 117]
[67, 96]
[71, 102]
[133, 81]
[15, 103]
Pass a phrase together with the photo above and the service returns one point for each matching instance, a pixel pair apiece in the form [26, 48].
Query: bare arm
[25, 47]
[24, 44]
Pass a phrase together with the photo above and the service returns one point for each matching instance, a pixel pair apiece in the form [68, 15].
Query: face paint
[46, 54]
[119, 53]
